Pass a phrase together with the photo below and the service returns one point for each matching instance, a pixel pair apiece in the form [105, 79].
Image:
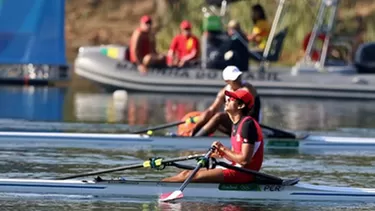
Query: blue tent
[32, 31]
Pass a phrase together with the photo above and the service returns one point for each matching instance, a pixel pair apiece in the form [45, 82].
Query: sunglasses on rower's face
[232, 99]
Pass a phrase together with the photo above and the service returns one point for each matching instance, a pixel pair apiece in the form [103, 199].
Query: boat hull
[96, 140]
[132, 188]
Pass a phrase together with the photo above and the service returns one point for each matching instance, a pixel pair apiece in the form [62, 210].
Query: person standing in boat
[246, 140]
[142, 47]
[185, 48]
[211, 119]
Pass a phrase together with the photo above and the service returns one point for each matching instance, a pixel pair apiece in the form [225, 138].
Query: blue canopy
[32, 31]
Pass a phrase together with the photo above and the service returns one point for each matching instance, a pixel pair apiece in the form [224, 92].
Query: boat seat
[275, 51]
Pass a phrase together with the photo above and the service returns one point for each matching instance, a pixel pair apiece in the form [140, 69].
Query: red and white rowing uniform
[246, 131]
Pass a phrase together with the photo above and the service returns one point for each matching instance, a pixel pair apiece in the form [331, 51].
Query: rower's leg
[179, 177]
[218, 119]
[211, 175]
[203, 175]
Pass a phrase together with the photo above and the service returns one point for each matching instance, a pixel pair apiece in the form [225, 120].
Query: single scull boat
[84, 140]
[267, 187]
[131, 188]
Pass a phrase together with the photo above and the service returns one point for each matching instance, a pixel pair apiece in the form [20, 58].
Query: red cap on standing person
[185, 25]
[146, 19]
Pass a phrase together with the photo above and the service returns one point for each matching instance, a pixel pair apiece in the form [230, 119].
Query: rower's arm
[210, 112]
[220, 99]
[250, 136]
[242, 158]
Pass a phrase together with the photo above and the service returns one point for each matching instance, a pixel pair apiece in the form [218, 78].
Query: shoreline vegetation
[95, 22]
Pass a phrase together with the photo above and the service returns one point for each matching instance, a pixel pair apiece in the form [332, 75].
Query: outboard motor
[364, 59]
[212, 38]
[218, 49]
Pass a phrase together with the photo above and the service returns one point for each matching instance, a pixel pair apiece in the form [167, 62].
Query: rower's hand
[218, 146]
[181, 63]
[142, 69]
[218, 149]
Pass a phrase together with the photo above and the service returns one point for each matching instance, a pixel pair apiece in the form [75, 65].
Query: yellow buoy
[149, 132]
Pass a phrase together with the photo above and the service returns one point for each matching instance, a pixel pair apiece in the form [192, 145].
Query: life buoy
[315, 54]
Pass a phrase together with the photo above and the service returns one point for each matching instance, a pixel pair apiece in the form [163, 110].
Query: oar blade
[178, 193]
[166, 197]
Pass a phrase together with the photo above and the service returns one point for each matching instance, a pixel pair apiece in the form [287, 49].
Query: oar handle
[200, 164]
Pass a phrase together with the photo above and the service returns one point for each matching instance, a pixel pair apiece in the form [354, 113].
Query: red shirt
[144, 45]
[183, 45]
[237, 139]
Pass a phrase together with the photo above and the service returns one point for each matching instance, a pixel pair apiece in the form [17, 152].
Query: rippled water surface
[335, 170]
[20, 106]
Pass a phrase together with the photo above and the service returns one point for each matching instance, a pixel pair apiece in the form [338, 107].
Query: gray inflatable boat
[93, 64]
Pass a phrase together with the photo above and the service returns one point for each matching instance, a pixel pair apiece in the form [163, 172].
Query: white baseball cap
[231, 73]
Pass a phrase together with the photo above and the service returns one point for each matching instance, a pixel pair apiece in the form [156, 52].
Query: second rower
[212, 119]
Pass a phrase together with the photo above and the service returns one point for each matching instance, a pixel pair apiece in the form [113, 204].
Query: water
[50, 162]
[59, 105]
[66, 106]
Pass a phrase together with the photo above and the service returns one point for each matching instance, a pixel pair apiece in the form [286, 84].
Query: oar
[279, 133]
[147, 130]
[145, 164]
[178, 193]
[269, 178]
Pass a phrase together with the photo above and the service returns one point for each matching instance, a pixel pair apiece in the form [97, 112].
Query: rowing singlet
[237, 140]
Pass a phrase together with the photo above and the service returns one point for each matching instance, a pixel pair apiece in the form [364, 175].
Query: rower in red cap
[246, 144]
[184, 49]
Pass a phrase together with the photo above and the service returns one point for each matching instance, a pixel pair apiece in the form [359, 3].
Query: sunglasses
[232, 99]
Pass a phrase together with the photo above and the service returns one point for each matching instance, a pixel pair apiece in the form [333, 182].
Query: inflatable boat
[316, 75]
[112, 73]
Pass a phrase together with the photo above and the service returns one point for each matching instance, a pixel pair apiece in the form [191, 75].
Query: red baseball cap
[146, 19]
[243, 95]
[185, 25]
